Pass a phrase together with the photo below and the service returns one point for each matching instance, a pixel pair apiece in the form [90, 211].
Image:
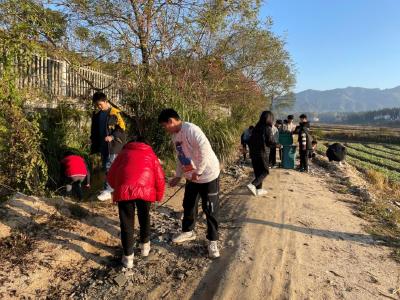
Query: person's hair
[285, 121]
[68, 153]
[167, 114]
[279, 122]
[251, 127]
[138, 139]
[99, 96]
[290, 117]
[266, 118]
[314, 142]
[303, 116]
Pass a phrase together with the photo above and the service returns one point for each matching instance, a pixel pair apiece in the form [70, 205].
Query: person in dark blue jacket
[244, 140]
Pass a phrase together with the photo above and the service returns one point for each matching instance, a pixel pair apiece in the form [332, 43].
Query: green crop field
[383, 158]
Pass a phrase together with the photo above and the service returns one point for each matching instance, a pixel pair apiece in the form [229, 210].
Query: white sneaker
[104, 196]
[127, 261]
[261, 192]
[145, 249]
[183, 237]
[68, 188]
[252, 189]
[213, 251]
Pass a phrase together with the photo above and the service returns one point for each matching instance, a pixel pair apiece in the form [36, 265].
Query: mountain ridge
[349, 99]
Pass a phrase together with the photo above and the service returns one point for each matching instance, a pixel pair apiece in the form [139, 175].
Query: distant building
[382, 117]
[315, 119]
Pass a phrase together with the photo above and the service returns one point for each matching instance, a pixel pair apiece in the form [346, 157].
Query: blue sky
[340, 43]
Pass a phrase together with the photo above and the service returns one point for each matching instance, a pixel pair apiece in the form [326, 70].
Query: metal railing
[59, 78]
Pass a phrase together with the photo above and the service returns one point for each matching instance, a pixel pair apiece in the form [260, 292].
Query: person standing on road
[275, 133]
[244, 140]
[305, 142]
[291, 127]
[138, 180]
[107, 136]
[262, 139]
[198, 163]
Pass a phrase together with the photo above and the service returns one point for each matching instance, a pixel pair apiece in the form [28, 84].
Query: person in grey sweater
[197, 162]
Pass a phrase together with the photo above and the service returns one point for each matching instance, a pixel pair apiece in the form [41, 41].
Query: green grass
[393, 147]
[382, 148]
[374, 152]
[364, 166]
[364, 161]
[370, 158]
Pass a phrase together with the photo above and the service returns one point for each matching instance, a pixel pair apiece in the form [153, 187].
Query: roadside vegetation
[216, 63]
[379, 164]
[357, 134]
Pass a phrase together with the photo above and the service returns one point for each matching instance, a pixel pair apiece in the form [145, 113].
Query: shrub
[222, 109]
[22, 166]
[64, 128]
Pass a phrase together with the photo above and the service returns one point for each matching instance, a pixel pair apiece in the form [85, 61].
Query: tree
[253, 49]
[141, 32]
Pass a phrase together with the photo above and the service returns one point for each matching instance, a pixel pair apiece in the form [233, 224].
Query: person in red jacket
[74, 173]
[138, 180]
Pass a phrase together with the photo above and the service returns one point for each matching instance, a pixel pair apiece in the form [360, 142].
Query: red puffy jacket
[136, 173]
[74, 165]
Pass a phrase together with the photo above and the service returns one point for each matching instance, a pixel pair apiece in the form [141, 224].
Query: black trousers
[244, 150]
[126, 211]
[304, 156]
[209, 194]
[261, 168]
[76, 183]
[272, 156]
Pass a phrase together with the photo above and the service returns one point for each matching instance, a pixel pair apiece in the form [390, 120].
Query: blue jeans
[107, 161]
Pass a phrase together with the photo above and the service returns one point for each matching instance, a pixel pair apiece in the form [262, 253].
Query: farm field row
[384, 155]
[377, 157]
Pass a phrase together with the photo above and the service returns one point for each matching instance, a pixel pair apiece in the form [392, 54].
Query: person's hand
[109, 138]
[174, 181]
[187, 168]
[195, 176]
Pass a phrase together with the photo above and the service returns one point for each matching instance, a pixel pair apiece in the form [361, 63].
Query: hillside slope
[351, 99]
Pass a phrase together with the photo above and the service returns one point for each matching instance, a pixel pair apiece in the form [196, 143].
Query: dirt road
[301, 241]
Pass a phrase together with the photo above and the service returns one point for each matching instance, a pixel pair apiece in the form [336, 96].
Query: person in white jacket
[197, 162]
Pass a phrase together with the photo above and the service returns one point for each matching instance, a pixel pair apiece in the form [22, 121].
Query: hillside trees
[213, 60]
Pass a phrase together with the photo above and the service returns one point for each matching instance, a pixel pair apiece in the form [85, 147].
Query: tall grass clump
[222, 113]
[22, 165]
[64, 128]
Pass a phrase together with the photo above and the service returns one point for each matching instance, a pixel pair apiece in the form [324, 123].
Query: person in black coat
[261, 140]
[107, 137]
[305, 142]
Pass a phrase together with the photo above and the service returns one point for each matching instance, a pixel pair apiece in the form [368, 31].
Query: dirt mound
[345, 175]
[56, 248]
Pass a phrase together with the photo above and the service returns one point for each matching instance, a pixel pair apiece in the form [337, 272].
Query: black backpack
[257, 139]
